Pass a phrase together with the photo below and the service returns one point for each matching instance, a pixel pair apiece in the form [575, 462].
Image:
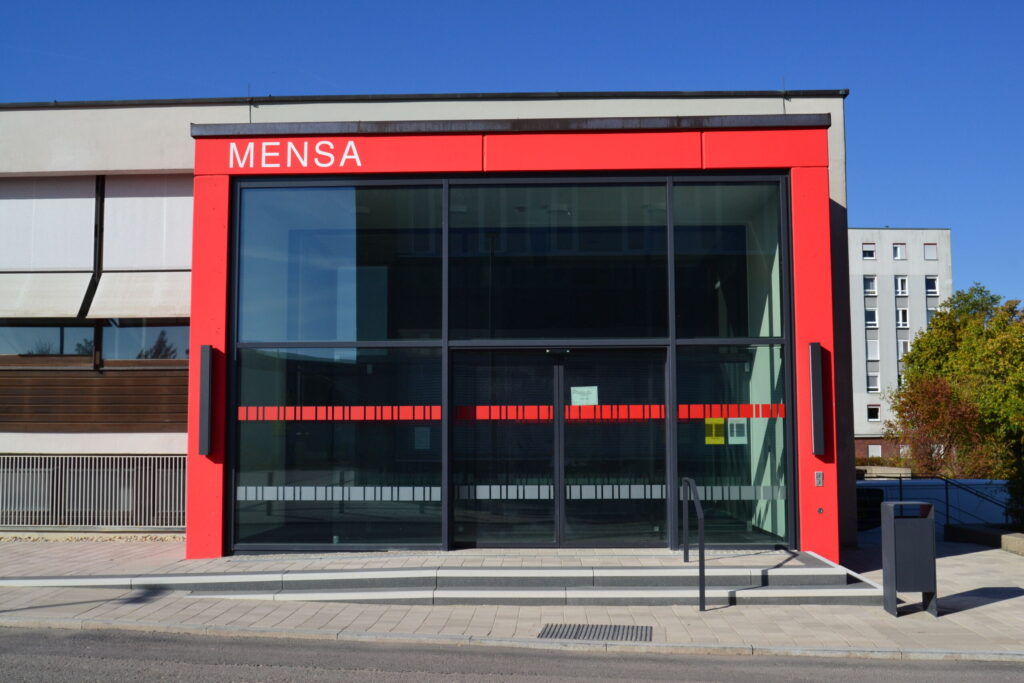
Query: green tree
[960, 409]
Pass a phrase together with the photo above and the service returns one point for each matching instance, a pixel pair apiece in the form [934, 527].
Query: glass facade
[558, 261]
[732, 438]
[567, 304]
[329, 263]
[344, 446]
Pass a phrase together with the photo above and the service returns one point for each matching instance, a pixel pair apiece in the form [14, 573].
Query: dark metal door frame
[558, 355]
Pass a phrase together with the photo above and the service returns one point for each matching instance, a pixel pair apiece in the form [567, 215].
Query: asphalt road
[55, 655]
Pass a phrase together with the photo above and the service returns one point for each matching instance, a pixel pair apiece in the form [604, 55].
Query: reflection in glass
[556, 260]
[137, 339]
[503, 469]
[732, 439]
[339, 263]
[727, 260]
[46, 341]
[356, 475]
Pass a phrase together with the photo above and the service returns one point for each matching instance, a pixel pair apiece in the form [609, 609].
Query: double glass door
[558, 447]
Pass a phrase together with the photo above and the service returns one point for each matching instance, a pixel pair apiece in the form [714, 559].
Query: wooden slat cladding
[84, 400]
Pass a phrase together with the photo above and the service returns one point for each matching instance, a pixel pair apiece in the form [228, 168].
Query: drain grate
[596, 632]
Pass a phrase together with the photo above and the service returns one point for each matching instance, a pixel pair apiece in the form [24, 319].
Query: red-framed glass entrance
[801, 152]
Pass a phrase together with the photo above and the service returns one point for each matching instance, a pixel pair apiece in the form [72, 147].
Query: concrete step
[459, 577]
[852, 594]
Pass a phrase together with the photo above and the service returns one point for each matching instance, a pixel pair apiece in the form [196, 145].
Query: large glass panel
[46, 341]
[614, 450]
[727, 260]
[135, 339]
[732, 439]
[339, 263]
[558, 260]
[503, 447]
[339, 446]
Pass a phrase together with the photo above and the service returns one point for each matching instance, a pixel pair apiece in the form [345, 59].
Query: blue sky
[936, 87]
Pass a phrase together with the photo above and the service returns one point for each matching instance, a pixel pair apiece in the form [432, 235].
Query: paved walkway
[981, 598]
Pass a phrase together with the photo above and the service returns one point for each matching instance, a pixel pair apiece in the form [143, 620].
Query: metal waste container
[908, 553]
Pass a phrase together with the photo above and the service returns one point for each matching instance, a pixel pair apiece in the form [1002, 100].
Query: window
[145, 340]
[899, 251]
[931, 285]
[872, 382]
[931, 314]
[872, 349]
[902, 318]
[931, 251]
[874, 450]
[874, 413]
[870, 285]
[870, 317]
[46, 341]
[902, 346]
[900, 284]
[867, 250]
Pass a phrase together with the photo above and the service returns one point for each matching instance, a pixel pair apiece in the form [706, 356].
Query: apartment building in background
[898, 279]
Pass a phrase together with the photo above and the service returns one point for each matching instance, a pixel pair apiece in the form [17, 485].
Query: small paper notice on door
[583, 396]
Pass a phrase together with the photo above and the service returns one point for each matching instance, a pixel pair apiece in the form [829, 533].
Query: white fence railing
[77, 491]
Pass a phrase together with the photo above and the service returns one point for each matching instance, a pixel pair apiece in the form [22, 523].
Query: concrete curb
[487, 641]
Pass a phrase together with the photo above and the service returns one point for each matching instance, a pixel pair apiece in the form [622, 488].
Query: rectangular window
[872, 349]
[902, 346]
[870, 317]
[339, 263]
[339, 446]
[931, 314]
[870, 285]
[899, 251]
[874, 413]
[874, 450]
[867, 250]
[931, 285]
[931, 251]
[144, 340]
[902, 318]
[46, 341]
[900, 284]
[513, 247]
[872, 382]
[724, 375]
[727, 247]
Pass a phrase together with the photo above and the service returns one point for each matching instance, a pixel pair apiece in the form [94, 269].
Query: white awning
[42, 295]
[149, 294]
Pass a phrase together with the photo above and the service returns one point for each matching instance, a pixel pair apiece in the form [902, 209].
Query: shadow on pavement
[979, 597]
[867, 557]
[137, 597]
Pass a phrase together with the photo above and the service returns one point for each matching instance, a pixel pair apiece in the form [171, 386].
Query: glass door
[559, 447]
[613, 447]
[503, 448]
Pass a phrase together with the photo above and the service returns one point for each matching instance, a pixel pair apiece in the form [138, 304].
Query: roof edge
[224, 130]
[309, 99]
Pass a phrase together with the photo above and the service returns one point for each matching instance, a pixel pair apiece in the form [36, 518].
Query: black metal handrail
[690, 493]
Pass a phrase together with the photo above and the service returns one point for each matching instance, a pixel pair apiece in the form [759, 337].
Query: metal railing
[125, 492]
[691, 494]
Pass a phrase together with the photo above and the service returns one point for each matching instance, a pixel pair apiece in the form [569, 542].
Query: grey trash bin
[908, 553]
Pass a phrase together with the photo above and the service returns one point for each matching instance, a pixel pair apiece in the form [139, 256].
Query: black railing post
[691, 494]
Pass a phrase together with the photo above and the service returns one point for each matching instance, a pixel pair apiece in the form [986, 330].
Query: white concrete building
[898, 279]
